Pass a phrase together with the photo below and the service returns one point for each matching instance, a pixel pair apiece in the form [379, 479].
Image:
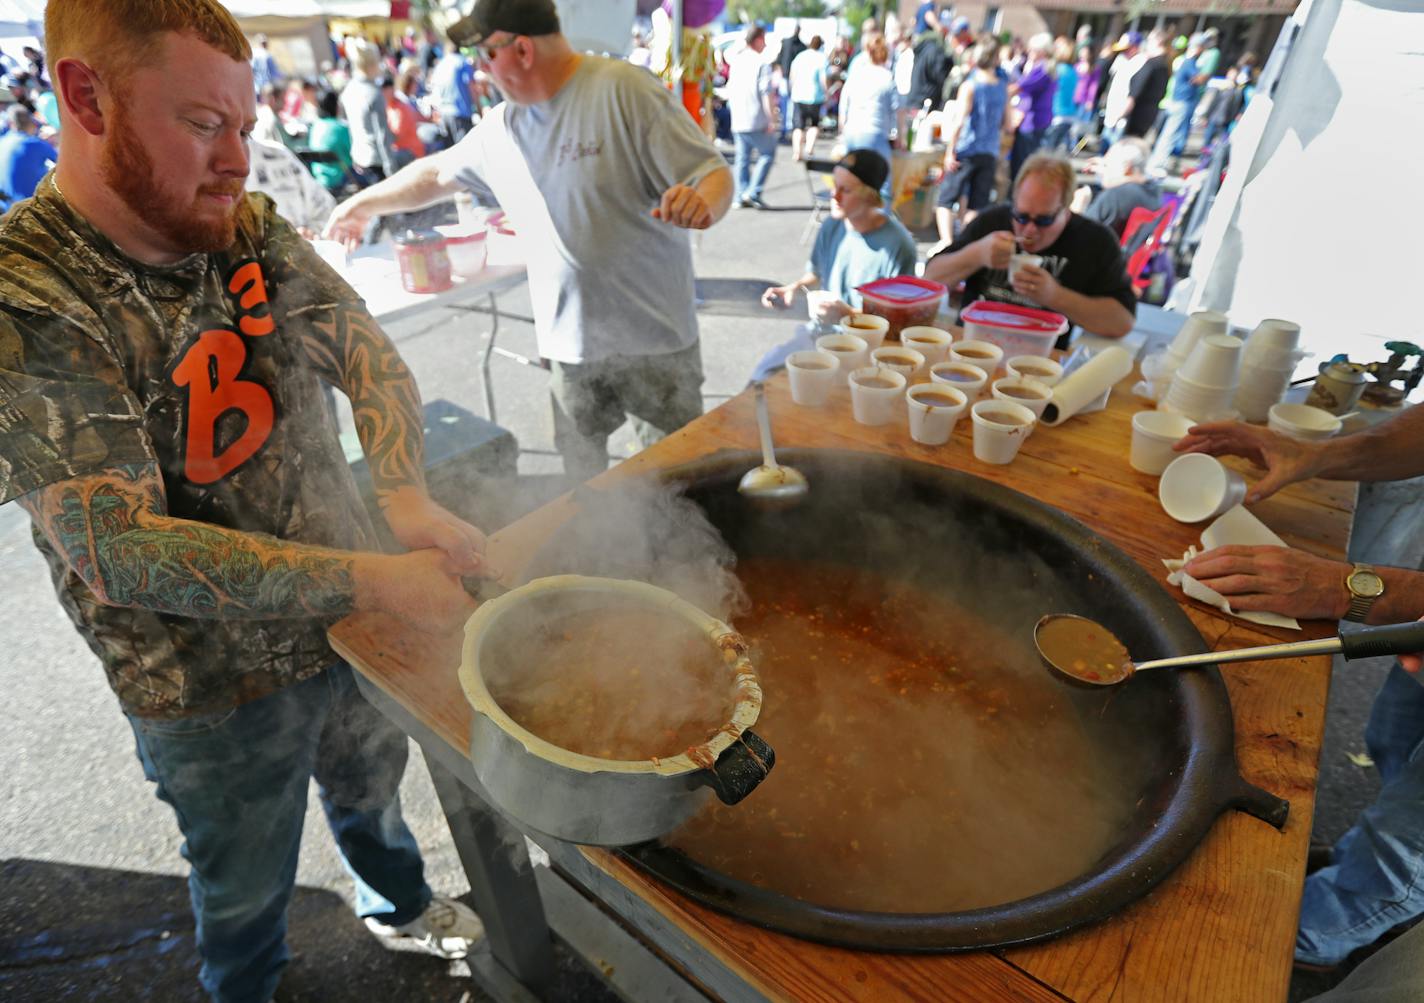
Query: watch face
[1367, 584]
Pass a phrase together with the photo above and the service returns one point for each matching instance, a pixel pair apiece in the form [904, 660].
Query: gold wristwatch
[1365, 587]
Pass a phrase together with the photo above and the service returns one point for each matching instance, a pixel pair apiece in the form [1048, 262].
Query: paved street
[93, 904]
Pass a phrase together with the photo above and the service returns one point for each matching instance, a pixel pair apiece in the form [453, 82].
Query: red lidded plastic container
[904, 301]
[1018, 330]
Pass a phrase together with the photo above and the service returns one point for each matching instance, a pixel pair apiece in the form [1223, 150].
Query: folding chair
[1142, 241]
[818, 181]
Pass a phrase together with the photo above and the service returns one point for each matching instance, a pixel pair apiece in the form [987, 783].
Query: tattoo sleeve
[349, 348]
[114, 533]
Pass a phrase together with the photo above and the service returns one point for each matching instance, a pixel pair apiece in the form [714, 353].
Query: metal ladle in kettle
[771, 485]
[1087, 653]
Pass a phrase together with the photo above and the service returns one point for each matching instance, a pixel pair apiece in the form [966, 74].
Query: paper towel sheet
[1236, 526]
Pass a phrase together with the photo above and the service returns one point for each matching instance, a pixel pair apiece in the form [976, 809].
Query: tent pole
[676, 36]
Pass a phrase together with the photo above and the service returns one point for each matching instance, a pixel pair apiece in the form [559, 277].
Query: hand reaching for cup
[779, 297]
[1284, 459]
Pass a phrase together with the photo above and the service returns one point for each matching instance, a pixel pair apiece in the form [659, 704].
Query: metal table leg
[486, 380]
[517, 960]
[501, 877]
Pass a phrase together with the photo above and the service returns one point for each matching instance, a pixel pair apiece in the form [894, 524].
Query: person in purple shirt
[24, 157]
[1035, 98]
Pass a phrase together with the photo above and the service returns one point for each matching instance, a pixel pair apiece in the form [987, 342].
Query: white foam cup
[1283, 335]
[930, 342]
[1017, 261]
[875, 393]
[984, 354]
[1030, 393]
[852, 352]
[934, 410]
[1196, 487]
[905, 361]
[1000, 428]
[1035, 367]
[815, 300]
[1301, 421]
[1153, 435]
[1198, 326]
[1214, 362]
[812, 375]
[968, 379]
[867, 327]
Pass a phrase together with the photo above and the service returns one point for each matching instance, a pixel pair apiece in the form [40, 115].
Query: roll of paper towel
[1087, 384]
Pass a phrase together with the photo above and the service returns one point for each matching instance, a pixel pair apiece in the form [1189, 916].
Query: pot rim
[731, 645]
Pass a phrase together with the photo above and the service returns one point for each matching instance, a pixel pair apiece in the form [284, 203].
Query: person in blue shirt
[24, 157]
[858, 243]
[451, 84]
[1188, 82]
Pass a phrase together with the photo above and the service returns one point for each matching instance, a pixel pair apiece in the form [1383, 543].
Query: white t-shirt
[579, 175]
[1120, 87]
[748, 82]
[278, 173]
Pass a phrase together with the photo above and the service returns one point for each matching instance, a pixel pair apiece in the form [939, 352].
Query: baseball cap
[518, 17]
[960, 25]
[868, 166]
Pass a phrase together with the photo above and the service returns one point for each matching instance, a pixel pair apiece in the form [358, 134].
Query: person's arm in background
[990, 251]
[1103, 315]
[784, 296]
[963, 107]
[766, 90]
[422, 183]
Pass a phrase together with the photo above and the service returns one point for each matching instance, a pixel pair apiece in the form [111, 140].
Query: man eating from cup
[1081, 272]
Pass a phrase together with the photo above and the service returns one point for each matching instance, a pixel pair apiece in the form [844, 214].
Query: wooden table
[1222, 927]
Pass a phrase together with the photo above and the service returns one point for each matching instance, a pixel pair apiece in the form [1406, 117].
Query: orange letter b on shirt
[210, 371]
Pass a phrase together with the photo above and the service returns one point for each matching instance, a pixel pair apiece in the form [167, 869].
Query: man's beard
[128, 171]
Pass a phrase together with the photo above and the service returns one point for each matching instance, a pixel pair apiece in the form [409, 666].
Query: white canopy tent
[1316, 219]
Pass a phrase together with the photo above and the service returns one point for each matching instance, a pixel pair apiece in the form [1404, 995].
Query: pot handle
[741, 766]
[1253, 800]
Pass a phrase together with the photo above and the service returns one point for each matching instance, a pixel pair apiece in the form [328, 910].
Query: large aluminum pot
[584, 799]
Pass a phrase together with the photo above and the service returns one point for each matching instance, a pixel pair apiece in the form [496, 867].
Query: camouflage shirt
[197, 367]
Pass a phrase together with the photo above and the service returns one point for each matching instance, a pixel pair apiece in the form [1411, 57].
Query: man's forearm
[1390, 451]
[1099, 314]
[112, 533]
[952, 269]
[413, 187]
[352, 351]
[716, 191]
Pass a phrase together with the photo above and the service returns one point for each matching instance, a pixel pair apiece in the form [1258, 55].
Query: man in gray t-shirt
[592, 159]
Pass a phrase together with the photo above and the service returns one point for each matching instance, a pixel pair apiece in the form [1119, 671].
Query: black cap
[867, 165]
[518, 17]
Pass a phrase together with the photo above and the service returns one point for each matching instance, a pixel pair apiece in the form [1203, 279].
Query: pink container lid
[1013, 317]
[906, 289]
[461, 234]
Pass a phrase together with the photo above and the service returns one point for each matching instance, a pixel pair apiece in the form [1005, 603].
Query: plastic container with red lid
[904, 301]
[1018, 330]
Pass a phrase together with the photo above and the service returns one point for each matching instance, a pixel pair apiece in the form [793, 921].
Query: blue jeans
[1172, 139]
[1026, 144]
[238, 780]
[749, 182]
[1375, 880]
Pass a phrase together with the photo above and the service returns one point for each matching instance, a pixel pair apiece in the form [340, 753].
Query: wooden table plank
[1221, 927]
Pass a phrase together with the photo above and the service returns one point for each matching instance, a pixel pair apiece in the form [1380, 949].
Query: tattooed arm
[113, 531]
[351, 351]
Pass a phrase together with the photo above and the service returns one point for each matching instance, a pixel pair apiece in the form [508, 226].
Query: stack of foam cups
[1267, 364]
[1205, 384]
[1199, 325]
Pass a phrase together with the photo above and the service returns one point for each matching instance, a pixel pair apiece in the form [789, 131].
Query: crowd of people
[253, 539]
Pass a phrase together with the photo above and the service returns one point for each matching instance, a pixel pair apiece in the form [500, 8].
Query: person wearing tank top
[972, 158]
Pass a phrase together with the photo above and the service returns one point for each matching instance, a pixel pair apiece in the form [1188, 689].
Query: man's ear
[77, 87]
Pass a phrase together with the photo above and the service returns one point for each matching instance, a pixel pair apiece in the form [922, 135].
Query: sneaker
[744, 203]
[446, 928]
[755, 202]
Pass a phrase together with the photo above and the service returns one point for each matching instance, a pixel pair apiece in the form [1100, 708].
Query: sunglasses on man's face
[1042, 222]
[488, 51]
